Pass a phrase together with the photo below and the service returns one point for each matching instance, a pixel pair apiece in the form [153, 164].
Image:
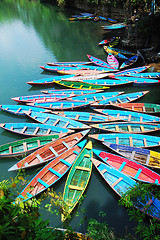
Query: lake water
[32, 34]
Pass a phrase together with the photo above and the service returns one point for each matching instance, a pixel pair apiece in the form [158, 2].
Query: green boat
[79, 85]
[77, 179]
[25, 146]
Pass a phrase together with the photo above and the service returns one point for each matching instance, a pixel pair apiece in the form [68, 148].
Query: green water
[32, 34]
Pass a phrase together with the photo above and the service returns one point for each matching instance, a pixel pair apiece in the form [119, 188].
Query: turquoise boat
[129, 116]
[138, 80]
[108, 82]
[131, 71]
[128, 139]
[121, 183]
[48, 81]
[56, 121]
[35, 129]
[99, 62]
[124, 98]
[145, 75]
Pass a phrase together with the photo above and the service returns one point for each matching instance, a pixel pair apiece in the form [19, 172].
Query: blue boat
[35, 129]
[96, 97]
[56, 121]
[137, 80]
[124, 52]
[108, 82]
[99, 62]
[144, 75]
[61, 105]
[48, 81]
[121, 183]
[129, 62]
[124, 98]
[83, 116]
[114, 26]
[19, 109]
[72, 91]
[129, 116]
[128, 139]
[69, 64]
[131, 71]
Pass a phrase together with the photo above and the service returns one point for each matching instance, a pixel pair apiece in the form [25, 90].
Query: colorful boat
[105, 41]
[121, 183]
[145, 75]
[69, 64]
[51, 172]
[131, 71]
[98, 97]
[140, 107]
[108, 82]
[19, 109]
[84, 72]
[133, 140]
[49, 151]
[99, 62]
[61, 105]
[48, 81]
[130, 61]
[122, 127]
[75, 92]
[87, 117]
[129, 167]
[121, 51]
[111, 59]
[114, 26]
[146, 157]
[56, 121]
[111, 20]
[114, 42]
[43, 97]
[80, 85]
[78, 179]
[114, 52]
[138, 80]
[25, 146]
[35, 129]
[129, 116]
[128, 97]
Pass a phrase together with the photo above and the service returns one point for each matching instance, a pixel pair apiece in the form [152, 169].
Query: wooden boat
[131, 71]
[94, 98]
[151, 108]
[35, 129]
[114, 42]
[56, 121]
[81, 72]
[114, 26]
[87, 117]
[128, 97]
[111, 59]
[122, 51]
[129, 167]
[80, 85]
[105, 41]
[138, 80]
[19, 109]
[48, 81]
[75, 92]
[130, 61]
[111, 20]
[129, 116]
[133, 140]
[78, 179]
[81, 18]
[121, 183]
[121, 127]
[69, 64]
[51, 172]
[114, 52]
[79, 67]
[108, 82]
[49, 151]
[146, 157]
[61, 105]
[99, 62]
[25, 146]
[145, 75]
[78, 235]
[43, 97]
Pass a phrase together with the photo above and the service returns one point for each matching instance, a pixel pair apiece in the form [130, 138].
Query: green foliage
[147, 228]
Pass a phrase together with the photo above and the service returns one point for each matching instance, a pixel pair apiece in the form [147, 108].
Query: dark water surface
[32, 34]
